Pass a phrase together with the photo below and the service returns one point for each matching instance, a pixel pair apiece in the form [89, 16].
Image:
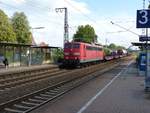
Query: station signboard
[144, 38]
[143, 18]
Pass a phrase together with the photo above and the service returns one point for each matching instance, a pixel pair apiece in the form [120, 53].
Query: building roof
[46, 47]
[140, 44]
[25, 45]
[14, 44]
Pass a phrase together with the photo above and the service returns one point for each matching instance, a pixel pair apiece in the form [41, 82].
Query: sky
[97, 13]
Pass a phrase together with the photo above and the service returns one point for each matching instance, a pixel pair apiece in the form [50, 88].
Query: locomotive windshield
[70, 45]
[67, 46]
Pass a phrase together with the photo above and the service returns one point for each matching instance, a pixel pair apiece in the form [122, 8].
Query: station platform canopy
[25, 54]
[140, 44]
[45, 47]
[13, 44]
[25, 45]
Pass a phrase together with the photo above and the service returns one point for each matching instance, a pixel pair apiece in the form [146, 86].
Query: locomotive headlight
[76, 53]
[66, 53]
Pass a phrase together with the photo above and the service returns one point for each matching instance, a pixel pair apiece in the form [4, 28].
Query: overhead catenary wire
[37, 14]
[41, 8]
[8, 5]
[35, 7]
[94, 21]
[124, 28]
[89, 18]
[48, 19]
[70, 26]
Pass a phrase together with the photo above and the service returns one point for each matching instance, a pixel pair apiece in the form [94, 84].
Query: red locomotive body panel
[79, 52]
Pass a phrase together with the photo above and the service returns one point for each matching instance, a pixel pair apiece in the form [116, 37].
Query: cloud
[77, 7]
[42, 14]
[112, 32]
[19, 1]
[54, 22]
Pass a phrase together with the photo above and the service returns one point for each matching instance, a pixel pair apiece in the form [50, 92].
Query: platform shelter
[26, 55]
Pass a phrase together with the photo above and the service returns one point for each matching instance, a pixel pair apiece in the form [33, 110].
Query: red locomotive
[78, 53]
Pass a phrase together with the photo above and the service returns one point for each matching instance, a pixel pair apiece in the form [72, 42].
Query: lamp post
[35, 28]
[29, 51]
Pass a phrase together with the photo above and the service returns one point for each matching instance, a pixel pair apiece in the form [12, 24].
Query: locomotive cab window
[93, 48]
[69, 46]
[99, 49]
[76, 46]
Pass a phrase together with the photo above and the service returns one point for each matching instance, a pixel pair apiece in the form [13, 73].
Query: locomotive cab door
[84, 51]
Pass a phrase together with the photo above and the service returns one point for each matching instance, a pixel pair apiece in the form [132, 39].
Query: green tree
[112, 46]
[6, 31]
[58, 55]
[85, 34]
[21, 28]
[107, 51]
[120, 47]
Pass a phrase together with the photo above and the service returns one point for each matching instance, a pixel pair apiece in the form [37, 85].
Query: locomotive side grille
[72, 54]
[66, 53]
[76, 54]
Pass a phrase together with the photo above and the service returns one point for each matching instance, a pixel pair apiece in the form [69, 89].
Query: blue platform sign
[143, 18]
[142, 62]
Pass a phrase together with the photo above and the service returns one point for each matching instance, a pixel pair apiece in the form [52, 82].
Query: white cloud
[77, 7]
[54, 22]
[42, 13]
[19, 1]
[113, 33]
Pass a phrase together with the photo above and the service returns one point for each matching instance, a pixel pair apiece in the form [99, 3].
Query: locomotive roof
[96, 45]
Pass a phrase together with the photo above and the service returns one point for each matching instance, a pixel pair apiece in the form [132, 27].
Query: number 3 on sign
[143, 18]
[144, 14]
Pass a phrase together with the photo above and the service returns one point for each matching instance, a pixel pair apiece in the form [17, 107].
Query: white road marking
[101, 91]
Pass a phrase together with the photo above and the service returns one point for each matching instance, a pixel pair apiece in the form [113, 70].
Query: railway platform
[120, 90]
[10, 70]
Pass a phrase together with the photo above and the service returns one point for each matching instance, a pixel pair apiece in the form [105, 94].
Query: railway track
[33, 100]
[15, 79]
[10, 80]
